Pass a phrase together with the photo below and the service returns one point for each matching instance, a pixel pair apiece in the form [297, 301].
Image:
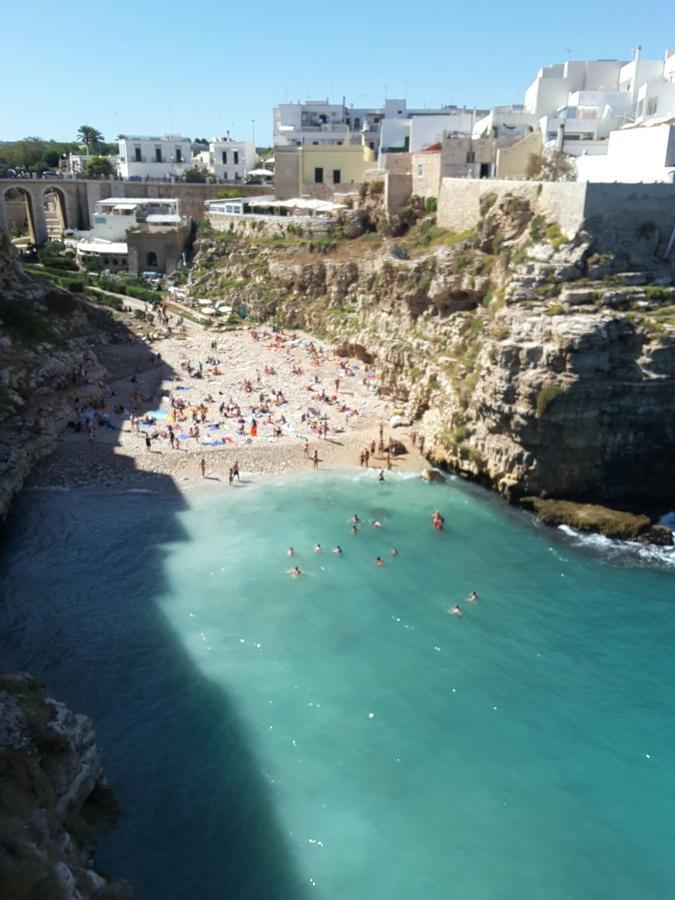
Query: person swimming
[456, 611]
[355, 519]
[380, 477]
[379, 561]
[375, 523]
[394, 551]
[318, 549]
[337, 550]
[291, 551]
[294, 572]
[355, 530]
[473, 597]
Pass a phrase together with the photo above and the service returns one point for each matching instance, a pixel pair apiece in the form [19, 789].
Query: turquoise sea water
[341, 736]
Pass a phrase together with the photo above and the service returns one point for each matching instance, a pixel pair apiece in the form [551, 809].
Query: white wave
[622, 552]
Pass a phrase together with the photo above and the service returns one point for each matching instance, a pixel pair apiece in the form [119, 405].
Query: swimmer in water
[355, 519]
[294, 572]
[456, 611]
[380, 477]
[291, 551]
[379, 561]
[355, 530]
[394, 551]
[375, 523]
[473, 597]
[337, 550]
[317, 549]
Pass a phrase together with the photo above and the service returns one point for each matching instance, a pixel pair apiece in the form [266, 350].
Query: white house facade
[635, 154]
[231, 160]
[143, 158]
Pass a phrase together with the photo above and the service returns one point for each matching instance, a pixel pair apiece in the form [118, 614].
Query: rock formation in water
[53, 799]
[530, 361]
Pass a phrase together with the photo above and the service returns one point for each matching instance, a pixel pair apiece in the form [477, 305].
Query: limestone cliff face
[53, 799]
[46, 358]
[529, 361]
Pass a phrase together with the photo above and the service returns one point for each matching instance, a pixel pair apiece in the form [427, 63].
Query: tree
[89, 136]
[195, 176]
[99, 166]
[552, 165]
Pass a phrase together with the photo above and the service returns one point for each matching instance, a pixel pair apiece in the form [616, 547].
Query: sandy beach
[249, 396]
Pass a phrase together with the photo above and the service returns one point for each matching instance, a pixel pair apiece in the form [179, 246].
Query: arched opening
[151, 260]
[20, 219]
[54, 204]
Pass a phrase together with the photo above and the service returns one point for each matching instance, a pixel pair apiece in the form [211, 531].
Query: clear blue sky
[202, 68]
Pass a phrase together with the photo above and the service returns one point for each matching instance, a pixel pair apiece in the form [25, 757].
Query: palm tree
[89, 136]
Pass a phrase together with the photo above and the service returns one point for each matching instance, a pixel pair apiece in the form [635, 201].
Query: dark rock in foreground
[53, 799]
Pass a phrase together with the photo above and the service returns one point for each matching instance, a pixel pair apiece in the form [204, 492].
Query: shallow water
[341, 735]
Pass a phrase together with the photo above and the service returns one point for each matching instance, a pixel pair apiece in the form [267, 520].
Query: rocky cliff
[530, 361]
[47, 358]
[53, 799]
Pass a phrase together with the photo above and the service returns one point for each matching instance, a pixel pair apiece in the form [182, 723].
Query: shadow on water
[199, 815]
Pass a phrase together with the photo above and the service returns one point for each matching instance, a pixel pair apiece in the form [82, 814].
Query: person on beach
[456, 611]
[379, 562]
[202, 466]
[315, 459]
[148, 442]
[305, 450]
[235, 471]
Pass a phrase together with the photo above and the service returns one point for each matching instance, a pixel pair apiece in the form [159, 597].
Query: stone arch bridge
[72, 202]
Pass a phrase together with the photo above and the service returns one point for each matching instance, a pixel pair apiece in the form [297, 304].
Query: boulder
[431, 475]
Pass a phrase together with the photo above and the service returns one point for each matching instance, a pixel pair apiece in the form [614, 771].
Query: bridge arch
[55, 205]
[18, 204]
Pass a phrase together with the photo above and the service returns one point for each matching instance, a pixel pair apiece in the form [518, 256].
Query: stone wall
[166, 245]
[633, 219]
[257, 224]
[426, 173]
[459, 201]
[397, 190]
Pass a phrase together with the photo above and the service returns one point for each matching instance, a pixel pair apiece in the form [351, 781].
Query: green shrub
[486, 202]
[655, 293]
[375, 188]
[547, 394]
[461, 434]
[76, 285]
[538, 228]
[430, 205]
[399, 251]
[59, 262]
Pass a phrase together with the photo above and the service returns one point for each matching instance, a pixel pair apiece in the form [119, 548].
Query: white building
[142, 158]
[578, 104]
[505, 122]
[634, 154]
[117, 220]
[231, 160]
[318, 122]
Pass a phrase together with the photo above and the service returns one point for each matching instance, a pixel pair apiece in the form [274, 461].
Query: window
[179, 154]
[151, 260]
[158, 154]
[236, 157]
[318, 175]
[336, 176]
[420, 170]
[470, 156]
[137, 154]
[224, 157]
[651, 107]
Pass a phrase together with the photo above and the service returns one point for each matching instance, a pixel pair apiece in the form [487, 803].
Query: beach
[251, 396]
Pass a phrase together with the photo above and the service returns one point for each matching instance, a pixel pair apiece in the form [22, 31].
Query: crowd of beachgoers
[256, 398]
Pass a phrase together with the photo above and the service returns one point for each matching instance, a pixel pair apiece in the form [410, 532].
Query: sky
[140, 67]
